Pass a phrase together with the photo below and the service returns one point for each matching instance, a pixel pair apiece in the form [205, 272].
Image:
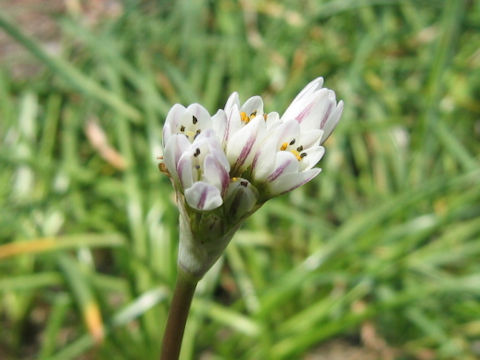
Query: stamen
[265, 117]
[194, 120]
[292, 142]
[297, 154]
[197, 152]
[300, 148]
[182, 128]
[253, 114]
[244, 117]
[302, 155]
[244, 183]
[234, 179]
[197, 133]
[284, 146]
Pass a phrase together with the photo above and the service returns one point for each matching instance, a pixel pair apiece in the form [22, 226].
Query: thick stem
[177, 316]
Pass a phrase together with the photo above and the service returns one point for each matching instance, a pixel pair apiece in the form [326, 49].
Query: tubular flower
[286, 157]
[194, 158]
[225, 167]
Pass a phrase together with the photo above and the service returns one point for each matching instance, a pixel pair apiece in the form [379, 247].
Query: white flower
[273, 154]
[241, 128]
[194, 157]
[286, 157]
[241, 199]
[188, 121]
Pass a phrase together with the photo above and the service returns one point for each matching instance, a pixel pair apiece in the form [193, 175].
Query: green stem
[177, 316]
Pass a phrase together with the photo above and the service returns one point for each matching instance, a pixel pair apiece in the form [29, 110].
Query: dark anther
[182, 128]
[197, 167]
[292, 142]
[302, 155]
[197, 152]
[253, 114]
[300, 148]
[195, 120]
[244, 183]
[197, 133]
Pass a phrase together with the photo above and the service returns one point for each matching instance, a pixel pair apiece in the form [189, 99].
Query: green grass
[387, 236]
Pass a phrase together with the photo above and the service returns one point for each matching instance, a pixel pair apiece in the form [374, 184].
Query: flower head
[226, 166]
[194, 157]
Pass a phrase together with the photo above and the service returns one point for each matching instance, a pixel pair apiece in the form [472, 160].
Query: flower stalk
[177, 316]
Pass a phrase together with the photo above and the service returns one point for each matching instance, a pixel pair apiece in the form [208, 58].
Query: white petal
[310, 138]
[219, 124]
[314, 154]
[328, 109]
[254, 104]
[234, 123]
[221, 158]
[241, 198]
[240, 148]
[312, 86]
[175, 147]
[302, 106]
[332, 121]
[214, 173]
[295, 108]
[288, 131]
[171, 122]
[202, 115]
[273, 120]
[310, 110]
[291, 181]
[167, 132]
[203, 196]
[264, 160]
[215, 148]
[185, 170]
[285, 163]
[232, 100]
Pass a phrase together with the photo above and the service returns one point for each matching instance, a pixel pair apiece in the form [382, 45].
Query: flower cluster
[224, 167]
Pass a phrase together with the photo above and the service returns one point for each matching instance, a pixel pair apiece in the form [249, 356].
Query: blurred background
[377, 258]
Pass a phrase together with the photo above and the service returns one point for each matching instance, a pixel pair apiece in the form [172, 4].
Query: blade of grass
[69, 73]
[30, 281]
[60, 243]
[122, 318]
[356, 226]
[451, 20]
[58, 313]
[292, 345]
[83, 295]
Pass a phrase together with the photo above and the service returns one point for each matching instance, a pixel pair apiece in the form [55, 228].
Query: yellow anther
[284, 146]
[190, 134]
[297, 154]
[265, 117]
[244, 117]
[234, 179]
